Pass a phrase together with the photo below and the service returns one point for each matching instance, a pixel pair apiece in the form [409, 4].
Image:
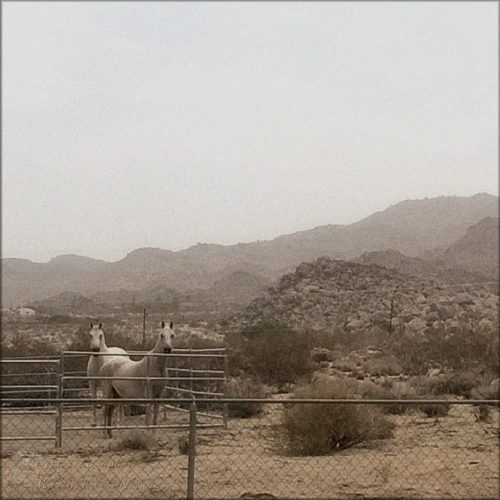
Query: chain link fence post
[191, 451]
[60, 392]
[225, 407]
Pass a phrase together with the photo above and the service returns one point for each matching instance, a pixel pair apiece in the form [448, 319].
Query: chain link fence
[403, 449]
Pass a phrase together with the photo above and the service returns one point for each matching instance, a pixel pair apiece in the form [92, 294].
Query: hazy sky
[166, 124]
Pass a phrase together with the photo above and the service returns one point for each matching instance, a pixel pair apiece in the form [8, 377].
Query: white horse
[152, 366]
[96, 362]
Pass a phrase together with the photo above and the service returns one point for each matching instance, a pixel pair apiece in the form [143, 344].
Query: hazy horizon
[229, 244]
[129, 125]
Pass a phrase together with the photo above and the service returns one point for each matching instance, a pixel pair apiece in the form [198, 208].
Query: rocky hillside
[434, 268]
[328, 294]
[411, 227]
[477, 250]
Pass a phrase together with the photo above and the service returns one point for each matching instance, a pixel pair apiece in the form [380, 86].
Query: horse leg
[108, 412]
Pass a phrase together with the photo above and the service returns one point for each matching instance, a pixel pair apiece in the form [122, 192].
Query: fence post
[60, 392]
[191, 451]
[148, 393]
[225, 406]
[190, 371]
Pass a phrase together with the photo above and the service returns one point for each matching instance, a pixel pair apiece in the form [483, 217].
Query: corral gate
[191, 379]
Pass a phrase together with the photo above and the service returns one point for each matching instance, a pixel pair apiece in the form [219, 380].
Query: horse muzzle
[95, 349]
[167, 350]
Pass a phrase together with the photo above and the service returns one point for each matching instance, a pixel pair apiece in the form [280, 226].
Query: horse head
[96, 337]
[166, 336]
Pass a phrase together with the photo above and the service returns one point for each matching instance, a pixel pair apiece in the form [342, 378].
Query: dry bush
[319, 429]
[370, 390]
[242, 388]
[383, 365]
[434, 409]
[137, 440]
[460, 383]
[462, 350]
[482, 413]
[321, 354]
[484, 391]
[425, 385]
[272, 353]
[347, 364]
[400, 390]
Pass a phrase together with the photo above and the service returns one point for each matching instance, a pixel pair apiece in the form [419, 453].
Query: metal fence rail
[191, 385]
[188, 385]
[449, 452]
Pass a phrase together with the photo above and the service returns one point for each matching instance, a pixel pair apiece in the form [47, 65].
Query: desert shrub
[274, 354]
[383, 365]
[349, 363]
[463, 349]
[481, 413]
[197, 342]
[244, 388]
[321, 354]
[370, 390]
[426, 385]
[400, 390]
[319, 429]
[137, 440]
[434, 409]
[484, 391]
[460, 383]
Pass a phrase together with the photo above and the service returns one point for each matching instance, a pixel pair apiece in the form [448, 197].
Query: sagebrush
[319, 429]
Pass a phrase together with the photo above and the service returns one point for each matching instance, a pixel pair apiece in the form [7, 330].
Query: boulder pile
[328, 294]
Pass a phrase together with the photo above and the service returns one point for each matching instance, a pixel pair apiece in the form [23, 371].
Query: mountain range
[459, 233]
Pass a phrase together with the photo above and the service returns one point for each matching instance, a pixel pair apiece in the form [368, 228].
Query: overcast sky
[166, 124]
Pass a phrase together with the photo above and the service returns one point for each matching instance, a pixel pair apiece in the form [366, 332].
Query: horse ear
[100, 326]
[91, 325]
[163, 324]
[171, 325]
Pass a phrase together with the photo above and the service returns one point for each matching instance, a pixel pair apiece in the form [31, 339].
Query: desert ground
[454, 456]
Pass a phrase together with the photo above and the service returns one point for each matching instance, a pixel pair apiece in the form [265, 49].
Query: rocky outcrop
[329, 294]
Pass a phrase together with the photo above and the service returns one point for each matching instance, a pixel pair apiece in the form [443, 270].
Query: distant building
[26, 312]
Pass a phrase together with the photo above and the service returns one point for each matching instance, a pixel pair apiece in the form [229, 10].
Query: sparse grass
[319, 429]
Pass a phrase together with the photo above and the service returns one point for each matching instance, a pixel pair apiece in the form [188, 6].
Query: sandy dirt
[454, 456]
